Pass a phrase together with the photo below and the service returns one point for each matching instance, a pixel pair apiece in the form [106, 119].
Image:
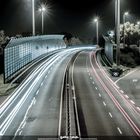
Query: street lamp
[33, 17]
[97, 29]
[124, 20]
[117, 30]
[138, 22]
[42, 10]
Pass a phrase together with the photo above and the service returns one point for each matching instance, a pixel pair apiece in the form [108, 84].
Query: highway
[36, 100]
[99, 112]
[69, 96]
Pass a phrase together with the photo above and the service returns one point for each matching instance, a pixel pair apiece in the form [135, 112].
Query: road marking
[121, 91]
[42, 84]
[100, 95]
[132, 101]
[48, 71]
[23, 125]
[90, 78]
[104, 103]
[20, 133]
[119, 130]
[37, 92]
[93, 83]
[138, 108]
[96, 88]
[126, 96]
[135, 80]
[89, 74]
[34, 100]
[110, 114]
[46, 76]
[115, 101]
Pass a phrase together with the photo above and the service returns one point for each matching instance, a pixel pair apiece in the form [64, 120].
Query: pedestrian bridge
[22, 51]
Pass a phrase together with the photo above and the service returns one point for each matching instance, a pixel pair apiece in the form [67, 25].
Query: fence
[20, 52]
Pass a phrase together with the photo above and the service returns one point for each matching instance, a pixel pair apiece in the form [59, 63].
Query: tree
[131, 32]
[2, 37]
[75, 41]
[67, 38]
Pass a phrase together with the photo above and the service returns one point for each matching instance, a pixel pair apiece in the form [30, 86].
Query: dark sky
[72, 16]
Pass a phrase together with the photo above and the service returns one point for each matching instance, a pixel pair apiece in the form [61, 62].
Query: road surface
[69, 96]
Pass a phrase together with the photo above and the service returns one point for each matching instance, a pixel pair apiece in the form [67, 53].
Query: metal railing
[19, 52]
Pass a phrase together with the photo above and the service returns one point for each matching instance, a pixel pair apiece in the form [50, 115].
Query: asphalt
[43, 118]
[33, 109]
[98, 115]
[102, 110]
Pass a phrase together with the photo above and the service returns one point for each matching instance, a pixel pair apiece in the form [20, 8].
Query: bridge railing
[20, 52]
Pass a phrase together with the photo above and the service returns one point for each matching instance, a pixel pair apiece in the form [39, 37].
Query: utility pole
[117, 24]
[33, 17]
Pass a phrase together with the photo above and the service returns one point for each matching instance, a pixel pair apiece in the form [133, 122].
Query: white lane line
[42, 84]
[121, 91]
[46, 76]
[132, 102]
[110, 114]
[20, 133]
[34, 101]
[96, 88]
[126, 96]
[119, 130]
[23, 125]
[138, 108]
[93, 83]
[48, 71]
[89, 74]
[90, 78]
[37, 92]
[104, 103]
[100, 95]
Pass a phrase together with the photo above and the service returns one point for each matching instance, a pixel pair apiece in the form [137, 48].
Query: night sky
[73, 16]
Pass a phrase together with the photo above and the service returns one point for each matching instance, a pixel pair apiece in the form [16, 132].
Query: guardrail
[20, 52]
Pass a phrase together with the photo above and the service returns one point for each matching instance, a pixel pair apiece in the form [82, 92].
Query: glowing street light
[138, 22]
[124, 20]
[42, 10]
[33, 17]
[97, 29]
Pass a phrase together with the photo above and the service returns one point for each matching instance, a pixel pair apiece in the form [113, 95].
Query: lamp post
[42, 10]
[117, 29]
[97, 30]
[124, 20]
[33, 17]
